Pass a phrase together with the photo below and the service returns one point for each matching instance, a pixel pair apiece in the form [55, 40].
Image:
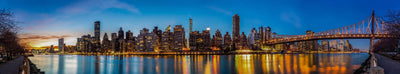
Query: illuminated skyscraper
[243, 42]
[120, 40]
[236, 29]
[157, 38]
[217, 40]
[190, 25]
[114, 42]
[146, 40]
[97, 30]
[178, 38]
[254, 39]
[88, 46]
[129, 42]
[268, 34]
[333, 45]
[79, 44]
[193, 40]
[227, 41]
[261, 35]
[61, 44]
[324, 45]
[120, 33]
[205, 40]
[348, 46]
[96, 40]
[167, 39]
[106, 46]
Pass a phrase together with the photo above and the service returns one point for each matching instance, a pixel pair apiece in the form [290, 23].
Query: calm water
[201, 64]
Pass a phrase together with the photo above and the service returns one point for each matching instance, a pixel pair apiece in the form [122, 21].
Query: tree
[392, 20]
[8, 34]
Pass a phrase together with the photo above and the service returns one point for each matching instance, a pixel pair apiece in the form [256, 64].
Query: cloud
[33, 36]
[220, 10]
[87, 6]
[48, 20]
[292, 18]
[35, 40]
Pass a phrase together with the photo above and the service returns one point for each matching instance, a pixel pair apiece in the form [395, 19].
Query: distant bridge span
[324, 37]
[370, 28]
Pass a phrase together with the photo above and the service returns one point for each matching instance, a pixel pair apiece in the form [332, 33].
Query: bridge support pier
[371, 44]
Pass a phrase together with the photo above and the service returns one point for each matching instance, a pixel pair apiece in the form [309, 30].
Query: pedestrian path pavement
[390, 66]
[11, 67]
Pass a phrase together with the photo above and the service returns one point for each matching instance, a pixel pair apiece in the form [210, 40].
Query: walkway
[390, 66]
[11, 67]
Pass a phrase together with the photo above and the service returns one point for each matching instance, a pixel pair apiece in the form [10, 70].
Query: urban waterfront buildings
[174, 39]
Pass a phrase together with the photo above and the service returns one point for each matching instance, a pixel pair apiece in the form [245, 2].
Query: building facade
[178, 38]
[236, 29]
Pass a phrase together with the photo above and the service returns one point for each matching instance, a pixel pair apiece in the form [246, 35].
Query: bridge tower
[372, 41]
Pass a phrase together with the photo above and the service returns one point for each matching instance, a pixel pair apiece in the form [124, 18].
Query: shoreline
[184, 53]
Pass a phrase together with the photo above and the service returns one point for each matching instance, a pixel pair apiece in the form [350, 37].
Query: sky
[44, 21]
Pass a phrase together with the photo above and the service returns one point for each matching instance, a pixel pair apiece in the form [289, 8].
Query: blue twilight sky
[43, 21]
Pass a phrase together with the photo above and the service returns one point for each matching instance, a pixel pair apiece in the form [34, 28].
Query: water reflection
[201, 64]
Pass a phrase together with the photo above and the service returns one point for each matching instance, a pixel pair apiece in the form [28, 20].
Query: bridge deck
[336, 36]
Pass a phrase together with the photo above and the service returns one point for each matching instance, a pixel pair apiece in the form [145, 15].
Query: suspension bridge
[371, 28]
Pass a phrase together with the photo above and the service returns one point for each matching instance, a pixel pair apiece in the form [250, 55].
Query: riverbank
[20, 64]
[189, 53]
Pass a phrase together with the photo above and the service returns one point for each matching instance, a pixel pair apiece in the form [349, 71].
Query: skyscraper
[61, 44]
[324, 45]
[268, 34]
[129, 42]
[243, 42]
[236, 29]
[79, 44]
[167, 39]
[97, 30]
[120, 33]
[261, 35]
[193, 37]
[227, 41]
[96, 40]
[157, 38]
[178, 38]
[217, 40]
[106, 43]
[114, 42]
[190, 25]
[206, 40]
[120, 40]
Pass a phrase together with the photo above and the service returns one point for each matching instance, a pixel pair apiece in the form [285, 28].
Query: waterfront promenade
[390, 66]
[11, 67]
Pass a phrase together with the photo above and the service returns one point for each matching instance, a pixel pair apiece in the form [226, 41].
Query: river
[323, 63]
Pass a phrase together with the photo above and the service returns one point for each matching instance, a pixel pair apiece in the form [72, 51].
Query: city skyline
[290, 20]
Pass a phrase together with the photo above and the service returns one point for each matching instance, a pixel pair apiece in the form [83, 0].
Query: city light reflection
[201, 64]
